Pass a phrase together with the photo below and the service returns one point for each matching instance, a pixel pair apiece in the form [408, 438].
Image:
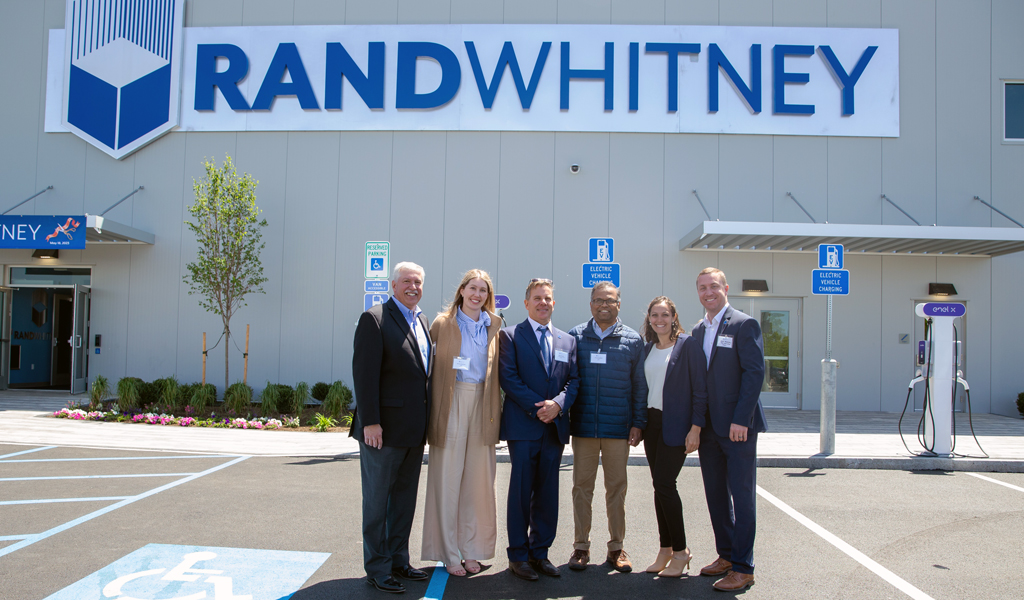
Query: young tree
[229, 231]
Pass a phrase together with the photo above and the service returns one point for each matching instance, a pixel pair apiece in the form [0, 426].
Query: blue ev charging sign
[194, 572]
[122, 63]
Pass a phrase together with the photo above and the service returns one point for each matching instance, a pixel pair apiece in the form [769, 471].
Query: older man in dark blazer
[537, 370]
[728, 445]
[391, 371]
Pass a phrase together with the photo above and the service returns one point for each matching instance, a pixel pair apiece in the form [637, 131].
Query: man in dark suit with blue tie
[391, 372]
[728, 445]
[537, 371]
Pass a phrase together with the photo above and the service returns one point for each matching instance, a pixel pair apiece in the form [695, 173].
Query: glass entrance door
[780, 332]
[5, 337]
[80, 340]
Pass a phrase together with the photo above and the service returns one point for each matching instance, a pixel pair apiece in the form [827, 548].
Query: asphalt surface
[894, 534]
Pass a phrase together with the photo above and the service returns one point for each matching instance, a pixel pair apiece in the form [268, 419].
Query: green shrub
[186, 390]
[323, 423]
[98, 391]
[170, 392]
[203, 397]
[149, 393]
[129, 390]
[338, 398]
[270, 399]
[299, 397]
[1020, 403]
[238, 397]
[319, 391]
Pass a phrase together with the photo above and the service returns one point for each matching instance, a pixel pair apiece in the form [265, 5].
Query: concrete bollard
[828, 406]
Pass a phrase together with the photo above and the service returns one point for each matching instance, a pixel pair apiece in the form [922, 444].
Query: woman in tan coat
[459, 525]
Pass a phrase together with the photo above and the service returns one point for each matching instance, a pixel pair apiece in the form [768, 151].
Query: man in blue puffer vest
[609, 415]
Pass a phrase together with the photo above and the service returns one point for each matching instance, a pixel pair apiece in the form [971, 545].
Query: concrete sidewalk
[863, 439]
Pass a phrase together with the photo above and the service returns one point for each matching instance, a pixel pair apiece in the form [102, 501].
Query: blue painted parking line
[2, 479]
[15, 538]
[26, 452]
[107, 509]
[42, 460]
[438, 581]
[58, 500]
[195, 572]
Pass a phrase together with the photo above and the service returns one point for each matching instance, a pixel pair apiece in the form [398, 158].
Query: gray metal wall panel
[265, 155]
[424, 11]
[531, 11]
[267, 12]
[584, 11]
[477, 11]
[799, 13]
[580, 213]
[307, 304]
[865, 13]
[791, 278]
[106, 182]
[1007, 48]
[905, 280]
[856, 339]
[470, 230]
[222, 13]
[745, 177]
[963, 149]
[417, 207]
[636, 210]
[25, 85]
[644, 12]
[908, 162]
[691, 12]
[745, 12]
[155, 271]
[972, 278]
[801, 168]
[109, 311]
[62, 164]
[364, 209]
[527, 192]
[854, 180]
[1007, 376]
[372, 12]
[319, 12]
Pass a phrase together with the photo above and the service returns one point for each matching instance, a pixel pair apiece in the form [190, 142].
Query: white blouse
[655, 368]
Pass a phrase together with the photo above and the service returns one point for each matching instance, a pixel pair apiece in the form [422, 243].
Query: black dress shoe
[386, 584]
[523, 570]
[411, 573]
[544, 566]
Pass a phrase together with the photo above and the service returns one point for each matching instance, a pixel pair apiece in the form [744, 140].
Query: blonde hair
[713, 271]
[535, 282]
[452, 307]
[648, 332]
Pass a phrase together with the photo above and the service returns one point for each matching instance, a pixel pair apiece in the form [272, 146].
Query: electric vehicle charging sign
[830, 256]
[602, 250]
[375, 286]
[371, 300]
[174, 572]
[594, 273]
[830, 281]
[944, 309]
[501, 302]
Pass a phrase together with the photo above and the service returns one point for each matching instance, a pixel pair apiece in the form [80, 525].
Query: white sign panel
[608, 78]
[376, 260]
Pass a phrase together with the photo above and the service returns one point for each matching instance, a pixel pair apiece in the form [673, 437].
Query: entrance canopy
[100, 230]
[912, 240]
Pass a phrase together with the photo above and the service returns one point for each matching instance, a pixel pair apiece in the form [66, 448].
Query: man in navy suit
[728, 446]
[537, 371]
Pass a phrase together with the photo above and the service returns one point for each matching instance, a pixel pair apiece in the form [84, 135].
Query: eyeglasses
[604, 302]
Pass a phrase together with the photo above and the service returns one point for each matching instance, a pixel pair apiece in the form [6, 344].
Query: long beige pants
[459, 520]
[613, 455]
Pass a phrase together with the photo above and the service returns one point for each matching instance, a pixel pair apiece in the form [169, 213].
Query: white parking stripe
[15, 538]
[26, 452]
[2, 479]
[1002, 483]
[41, 460]
[59, 500]
[849, 550]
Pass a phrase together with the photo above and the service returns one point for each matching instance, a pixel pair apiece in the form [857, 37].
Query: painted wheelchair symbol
[182, 572]
[376, 264]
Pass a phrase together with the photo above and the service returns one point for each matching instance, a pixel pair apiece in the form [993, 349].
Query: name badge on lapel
[598, 358]
[561, 356]
[724, 341]
[460, 363]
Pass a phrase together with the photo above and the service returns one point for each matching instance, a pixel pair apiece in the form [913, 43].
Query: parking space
[821, 534]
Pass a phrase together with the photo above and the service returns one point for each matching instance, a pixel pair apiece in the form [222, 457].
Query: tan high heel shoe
[664, 557]
[680, 563]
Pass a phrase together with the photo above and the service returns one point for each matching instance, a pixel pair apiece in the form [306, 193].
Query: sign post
[829, 278]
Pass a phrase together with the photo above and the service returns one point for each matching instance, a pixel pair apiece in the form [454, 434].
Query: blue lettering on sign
[501, 302]
[369, 84]
[42, 231]
[830, 281]
[375, 285]
[171, 571]
[594, 273]
[944, 309]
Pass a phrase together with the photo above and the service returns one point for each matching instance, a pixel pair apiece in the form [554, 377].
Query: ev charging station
[939, 355]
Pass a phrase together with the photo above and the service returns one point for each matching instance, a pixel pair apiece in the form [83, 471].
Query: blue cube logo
[121, 71]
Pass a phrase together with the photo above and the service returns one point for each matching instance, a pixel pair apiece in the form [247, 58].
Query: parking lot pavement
[821, 533]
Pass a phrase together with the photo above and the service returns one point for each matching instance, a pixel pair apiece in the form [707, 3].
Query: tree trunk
[227, 339]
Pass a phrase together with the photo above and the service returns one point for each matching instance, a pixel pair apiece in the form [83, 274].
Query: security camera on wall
[574, 169]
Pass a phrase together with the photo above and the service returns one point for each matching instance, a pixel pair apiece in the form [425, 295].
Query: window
[50, 276]
[1013, 107]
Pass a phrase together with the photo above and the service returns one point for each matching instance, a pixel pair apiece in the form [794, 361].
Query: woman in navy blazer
[677, 404]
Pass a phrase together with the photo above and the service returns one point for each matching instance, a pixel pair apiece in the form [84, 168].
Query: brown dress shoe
[719, 567]
[734, 582]
[579, 560]
[523, 570]
[619, 561]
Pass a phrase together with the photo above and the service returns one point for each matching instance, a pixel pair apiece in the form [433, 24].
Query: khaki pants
[459, 521]
[613, 455]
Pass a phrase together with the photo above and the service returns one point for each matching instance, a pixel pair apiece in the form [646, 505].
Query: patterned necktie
[545, 354]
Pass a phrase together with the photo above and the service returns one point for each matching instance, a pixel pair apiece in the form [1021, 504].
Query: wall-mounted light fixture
[941, 289]
[755, 285]
[46, 253]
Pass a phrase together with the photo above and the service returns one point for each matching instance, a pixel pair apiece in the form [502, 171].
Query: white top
[710, 331]
[655, 368]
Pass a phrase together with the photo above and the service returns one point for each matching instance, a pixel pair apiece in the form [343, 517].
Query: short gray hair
[406, 266]
[605, 285]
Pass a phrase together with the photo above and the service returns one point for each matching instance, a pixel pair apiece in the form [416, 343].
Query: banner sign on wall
[605, 78]
[42, 232]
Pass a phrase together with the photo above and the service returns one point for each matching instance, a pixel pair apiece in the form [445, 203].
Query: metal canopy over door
[80, 340]
[5, 337]
[780, 332]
